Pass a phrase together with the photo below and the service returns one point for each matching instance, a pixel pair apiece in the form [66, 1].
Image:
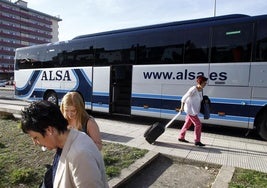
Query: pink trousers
[187, 124]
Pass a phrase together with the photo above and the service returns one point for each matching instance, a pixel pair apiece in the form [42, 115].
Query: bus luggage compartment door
[100, 99]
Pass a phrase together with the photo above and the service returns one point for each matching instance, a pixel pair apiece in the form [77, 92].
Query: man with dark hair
[77, 162]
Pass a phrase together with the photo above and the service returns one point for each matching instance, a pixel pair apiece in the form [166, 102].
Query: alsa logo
[58, 75]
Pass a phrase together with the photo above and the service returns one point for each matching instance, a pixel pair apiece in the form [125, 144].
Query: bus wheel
[261, 123]
[51, 96]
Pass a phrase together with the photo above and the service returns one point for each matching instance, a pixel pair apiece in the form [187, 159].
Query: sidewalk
[220, 149]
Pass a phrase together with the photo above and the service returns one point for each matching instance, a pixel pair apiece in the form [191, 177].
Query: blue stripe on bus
[214, 100]
[231, 101]
[258, 102]
[88, 103]
[83, 85]
[234, 107]
[154, 96]
[228, 109]
[102, 105]
[101, 99]
[29, 86]
[100, 93]
[156, 104]
[212, 116]
[86, 77]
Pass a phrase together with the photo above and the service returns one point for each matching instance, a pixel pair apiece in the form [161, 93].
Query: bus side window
[237, 54]
[197, 45]
[142, 54]
[128, 56]
[262, 51]
[232, 43]
[172, 54]
[261, 41]
[84, 57]
[23, 64]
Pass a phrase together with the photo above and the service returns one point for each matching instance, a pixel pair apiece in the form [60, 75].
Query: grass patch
[22, 175]
[23, 165]
[117, 157]
[244, 178]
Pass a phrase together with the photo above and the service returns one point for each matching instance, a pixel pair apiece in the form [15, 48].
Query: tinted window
[76, 53]
[232, 43]
[196, 45]
[50, 56]
[115, 49]
[160, 46]
[261, 41]
[28, 58]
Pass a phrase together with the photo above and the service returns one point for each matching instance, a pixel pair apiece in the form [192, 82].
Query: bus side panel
[32, 84]
[26, 81]
[157, 89]
[230, 94]
[101, 94]
[258, 101]
[258, 81]
[230, 106]
[83, 84]
[229, 74]
[258, 74]
[146, 99]
[60, 81]
[171, 100]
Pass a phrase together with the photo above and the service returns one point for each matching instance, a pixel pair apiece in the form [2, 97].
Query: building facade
[21, 26]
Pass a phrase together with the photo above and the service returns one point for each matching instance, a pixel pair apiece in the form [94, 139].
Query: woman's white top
[192, 100]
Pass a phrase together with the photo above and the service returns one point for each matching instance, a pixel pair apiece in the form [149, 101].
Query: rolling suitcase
[157, 129]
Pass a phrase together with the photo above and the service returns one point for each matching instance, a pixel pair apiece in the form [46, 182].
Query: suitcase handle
[170, 122]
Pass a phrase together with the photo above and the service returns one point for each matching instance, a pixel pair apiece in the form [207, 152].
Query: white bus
[146, 70]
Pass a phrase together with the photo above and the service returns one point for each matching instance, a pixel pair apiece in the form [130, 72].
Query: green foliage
[117, 157]
[243, 178]
[21, 163]
[22, 175]
[110, 160]
[2, 145]
[112, 171]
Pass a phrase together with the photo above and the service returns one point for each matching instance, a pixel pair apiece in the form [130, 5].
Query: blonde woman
[73, 109]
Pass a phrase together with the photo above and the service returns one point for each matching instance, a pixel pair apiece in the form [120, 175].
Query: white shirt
[192, 100]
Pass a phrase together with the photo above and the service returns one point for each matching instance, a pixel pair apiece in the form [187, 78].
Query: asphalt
[227, 151]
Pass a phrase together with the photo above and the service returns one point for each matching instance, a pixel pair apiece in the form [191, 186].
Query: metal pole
[214, 8]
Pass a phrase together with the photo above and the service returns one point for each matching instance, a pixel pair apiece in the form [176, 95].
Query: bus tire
[261, 123]
[51, 96]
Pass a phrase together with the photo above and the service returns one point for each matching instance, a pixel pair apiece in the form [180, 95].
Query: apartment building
[21, 26]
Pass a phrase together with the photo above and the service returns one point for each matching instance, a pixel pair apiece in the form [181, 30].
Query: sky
[91, 16]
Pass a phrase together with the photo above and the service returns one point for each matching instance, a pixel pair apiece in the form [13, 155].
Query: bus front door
[120, 90]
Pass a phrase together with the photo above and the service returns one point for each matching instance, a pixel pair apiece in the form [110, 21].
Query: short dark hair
[201, 79]
[41, 114]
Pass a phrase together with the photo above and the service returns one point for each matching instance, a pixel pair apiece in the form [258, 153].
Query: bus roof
[186, 22]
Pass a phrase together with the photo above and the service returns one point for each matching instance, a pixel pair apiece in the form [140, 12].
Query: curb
[224, 177]
[127, 173]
